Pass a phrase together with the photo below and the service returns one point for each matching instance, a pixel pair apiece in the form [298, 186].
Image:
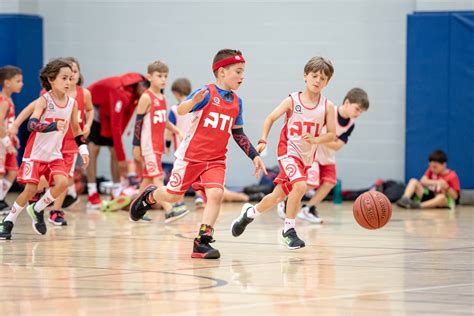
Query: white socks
[71, 190]
[43, 203]
[116, 189]
[91, 188]
[14, 212]
[252, 212]
[289, 223]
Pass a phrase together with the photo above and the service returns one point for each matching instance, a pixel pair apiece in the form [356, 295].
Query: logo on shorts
[175, 180]
[290, 170]
[151, 166]
[27, 169]
[313, 177]
[298, 108]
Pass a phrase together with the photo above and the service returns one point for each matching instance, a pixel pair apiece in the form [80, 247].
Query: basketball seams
[376, 207]
[361, 212]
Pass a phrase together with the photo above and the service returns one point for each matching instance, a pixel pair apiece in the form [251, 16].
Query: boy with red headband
[201, 157]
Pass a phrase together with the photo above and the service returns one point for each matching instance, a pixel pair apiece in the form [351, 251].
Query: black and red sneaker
[140, 205]
[56, 217]
[202, 249]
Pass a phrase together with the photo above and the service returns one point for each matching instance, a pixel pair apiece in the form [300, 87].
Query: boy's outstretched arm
[186, 106]
[243, 141]
[284, 107]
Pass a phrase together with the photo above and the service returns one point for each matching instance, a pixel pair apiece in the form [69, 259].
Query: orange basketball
[372, 210]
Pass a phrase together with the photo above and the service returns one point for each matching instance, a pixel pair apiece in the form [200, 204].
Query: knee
[31, 189]
[215, 195]
[413, 181]
[329, 185]
[60, 182]
[300, 188]
[442, 199]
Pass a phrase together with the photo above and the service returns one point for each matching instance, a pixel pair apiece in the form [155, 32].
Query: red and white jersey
[154, 124]
[326, 155]
[182, 123]
[46, 147]
[208, 134]
[301, 120]
[69, 145]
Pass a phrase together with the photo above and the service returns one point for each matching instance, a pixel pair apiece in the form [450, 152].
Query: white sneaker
[306, 215]
[198, 201]
[281, 209]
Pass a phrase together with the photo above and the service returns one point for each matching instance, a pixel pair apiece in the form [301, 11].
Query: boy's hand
[259, 167]
[180, 136]
[442, 185]
[85, 160]
[61, 125]
[308, 138]
[137, 153]
[261, 147]
[200, 95]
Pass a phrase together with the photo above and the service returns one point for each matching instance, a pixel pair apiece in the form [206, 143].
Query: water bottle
[337, 192]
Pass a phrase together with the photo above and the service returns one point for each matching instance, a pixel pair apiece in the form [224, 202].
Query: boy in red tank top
[306, 114]
[438, 187]
[149, 134]
[11, 81]
[53, 114]
[201, 156]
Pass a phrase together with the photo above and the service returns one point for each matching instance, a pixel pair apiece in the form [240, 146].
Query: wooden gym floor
[421, 263]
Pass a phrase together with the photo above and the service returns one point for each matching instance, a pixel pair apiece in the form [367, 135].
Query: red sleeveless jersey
[210, 129]
[154, 124]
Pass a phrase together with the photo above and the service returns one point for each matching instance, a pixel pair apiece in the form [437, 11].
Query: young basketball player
[306, 114]
[148, 140]
[11, 81]
[181, 88]
[54, 113]
[439, 186]
[69, 149]
[322, 174]
[201, 157]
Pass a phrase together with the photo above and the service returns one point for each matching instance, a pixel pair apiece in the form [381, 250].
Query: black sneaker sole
[134, 202]
[56, 223]
[213, 254]
[175, 218]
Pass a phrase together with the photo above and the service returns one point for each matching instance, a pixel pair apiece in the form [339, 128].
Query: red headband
[228, 61]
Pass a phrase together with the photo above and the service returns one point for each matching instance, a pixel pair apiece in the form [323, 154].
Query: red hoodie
[116, 99]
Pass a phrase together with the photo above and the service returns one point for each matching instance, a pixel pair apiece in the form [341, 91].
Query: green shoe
[38, 223]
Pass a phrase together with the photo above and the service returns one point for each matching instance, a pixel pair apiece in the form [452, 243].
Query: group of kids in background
[201, 125]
